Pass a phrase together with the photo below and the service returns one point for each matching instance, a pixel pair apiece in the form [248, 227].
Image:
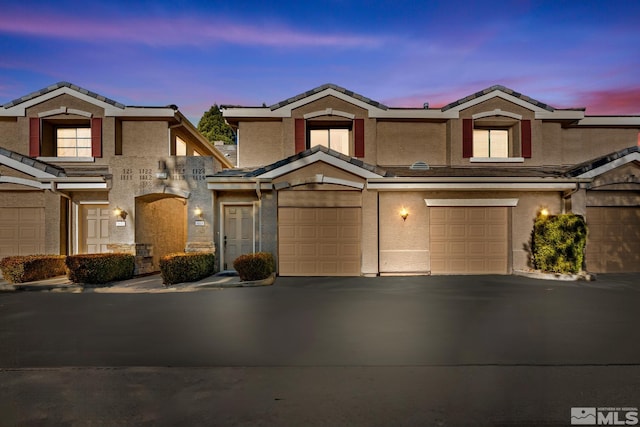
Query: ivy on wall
[558, 243]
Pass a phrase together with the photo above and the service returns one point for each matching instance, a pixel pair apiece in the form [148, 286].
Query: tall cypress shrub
[558, 243]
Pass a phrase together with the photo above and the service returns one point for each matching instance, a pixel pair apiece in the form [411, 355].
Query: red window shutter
[467, 138]
[96, 137]
[525, 138]
[300, 136]
[34, 136]
[358, 137]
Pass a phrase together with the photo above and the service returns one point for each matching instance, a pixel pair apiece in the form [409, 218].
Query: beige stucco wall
[580, 144]
[404, 245]
[145, 139]
[403, 143]
[162, 224]
[260, 143]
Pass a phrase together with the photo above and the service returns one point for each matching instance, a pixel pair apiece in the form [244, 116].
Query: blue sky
[402, 53]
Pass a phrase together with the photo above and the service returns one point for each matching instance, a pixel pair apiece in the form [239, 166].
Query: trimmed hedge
[255, 266]
[558, 243]
[186, 267]
[100, 268]
[27, 268]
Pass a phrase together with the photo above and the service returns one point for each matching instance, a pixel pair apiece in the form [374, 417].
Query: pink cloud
[160, 31]
[612, 101]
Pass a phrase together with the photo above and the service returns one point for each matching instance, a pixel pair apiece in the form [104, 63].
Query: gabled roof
[303, 158]
[30, 162]
[59, 85]
[605, 163]
[502, 89]
[324, 87]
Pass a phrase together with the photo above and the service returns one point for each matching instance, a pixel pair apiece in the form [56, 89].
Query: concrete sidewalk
[142, 284]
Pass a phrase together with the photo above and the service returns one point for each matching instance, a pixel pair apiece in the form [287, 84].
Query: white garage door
[468, 240]
[613, 242]
[319, 241]
[21, 231]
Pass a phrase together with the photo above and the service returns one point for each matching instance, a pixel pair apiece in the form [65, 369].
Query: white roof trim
[496, 112]
[320, 156]
[109, 109]
[65, 110]
[473, 186]
[320, 179]
[329, 112]
[286, 109]
[471, 202]
[631, 157]
[498, 94]
[610, 121]
[27, 182]
[81, 185]
[21, 167]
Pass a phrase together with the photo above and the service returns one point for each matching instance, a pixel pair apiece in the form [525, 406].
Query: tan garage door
[319, 241]
[21, 231]
[613, 243]
[468, 240]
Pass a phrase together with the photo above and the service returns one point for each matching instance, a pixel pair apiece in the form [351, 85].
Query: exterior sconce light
[544, 212]
[404, 213]
[198, 214]
[120, 213]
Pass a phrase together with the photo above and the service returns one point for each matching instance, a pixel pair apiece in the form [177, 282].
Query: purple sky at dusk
[401, 53]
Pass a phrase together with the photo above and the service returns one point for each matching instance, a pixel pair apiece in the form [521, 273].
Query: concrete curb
[536, 274]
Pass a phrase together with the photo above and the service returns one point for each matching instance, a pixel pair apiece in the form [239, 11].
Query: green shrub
[186, 267]
[100, 268]
[558, 243]
[256, 266]
[27, 268]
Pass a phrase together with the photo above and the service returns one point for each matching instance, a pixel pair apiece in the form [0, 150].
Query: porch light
[197, 212]
[404, 213]
[544, 212]
[120, 213]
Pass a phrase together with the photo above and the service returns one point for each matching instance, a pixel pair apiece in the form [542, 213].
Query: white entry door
[95, 229]
[238, 232]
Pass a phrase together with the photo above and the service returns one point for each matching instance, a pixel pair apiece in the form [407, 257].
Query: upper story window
[335, 138]
[73, 142]
[496, 139]
[491, 143]
[181, 147]
[343, 136]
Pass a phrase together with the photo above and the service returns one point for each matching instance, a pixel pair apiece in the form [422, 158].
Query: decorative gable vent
[421, 166]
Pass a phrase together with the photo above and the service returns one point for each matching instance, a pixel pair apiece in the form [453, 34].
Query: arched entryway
[161, 228]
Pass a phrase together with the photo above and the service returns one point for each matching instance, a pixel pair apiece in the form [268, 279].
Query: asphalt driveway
[443, 351]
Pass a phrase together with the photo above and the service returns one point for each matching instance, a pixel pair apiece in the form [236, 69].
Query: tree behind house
[214, 128]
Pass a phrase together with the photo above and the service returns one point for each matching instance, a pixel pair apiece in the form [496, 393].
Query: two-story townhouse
[334, 183]
[81, 173]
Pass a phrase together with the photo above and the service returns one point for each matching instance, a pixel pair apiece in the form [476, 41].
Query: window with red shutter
[34, 136]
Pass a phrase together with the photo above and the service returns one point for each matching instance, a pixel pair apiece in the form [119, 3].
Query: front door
[95, 229]
[238, 233]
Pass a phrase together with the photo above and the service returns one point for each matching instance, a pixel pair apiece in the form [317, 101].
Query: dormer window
[343, 136]
[335, 138]
[492, 143]
[73, 141]
[488, 137]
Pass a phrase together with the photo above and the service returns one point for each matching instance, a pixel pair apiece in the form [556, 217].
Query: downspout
[259, 194]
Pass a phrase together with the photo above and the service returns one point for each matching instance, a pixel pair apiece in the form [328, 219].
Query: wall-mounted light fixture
[120, 213]
[197, 212]
[544, 212]
[404, 213]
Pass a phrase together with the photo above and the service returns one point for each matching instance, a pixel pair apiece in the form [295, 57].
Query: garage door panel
[613, 241]
[319, 241]
[468, 240]
[21, 231]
